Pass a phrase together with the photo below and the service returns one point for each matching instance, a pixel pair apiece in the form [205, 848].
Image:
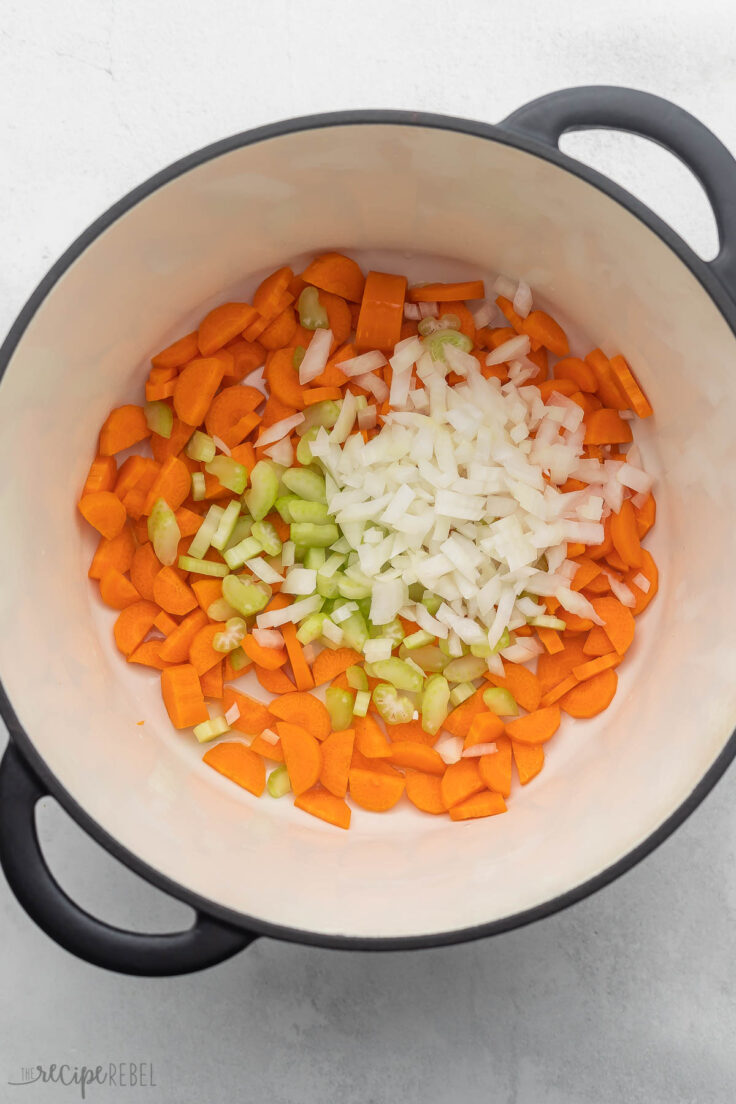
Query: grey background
[629, 996]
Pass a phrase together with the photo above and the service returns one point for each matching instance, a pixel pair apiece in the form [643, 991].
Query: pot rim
[505, 136]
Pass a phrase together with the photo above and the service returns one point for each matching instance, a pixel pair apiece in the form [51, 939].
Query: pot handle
[597, 107]
[206, 943]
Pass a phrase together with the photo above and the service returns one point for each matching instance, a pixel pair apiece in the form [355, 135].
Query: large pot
[493, 199]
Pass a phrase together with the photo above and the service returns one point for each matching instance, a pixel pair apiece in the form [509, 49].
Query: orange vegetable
[495, 768]
[172, 593]
[283, 378]
[626, 380]
[207, 591]
[239, 764]
[104, 511]
[381, 312]
[539, 326]
[272, 295]
[595, 666]
[560, 386]
[586, 572]
[231, 414]
[202, 655]
[182, 696]
[173, 483]
[443, 293]
[374, 790]
[646, 515]
[116, 553]
[125, 426]
[188, 521]
[165, 624]
[574, 622]
[222, 324]
[195, 389]
[133, 624]
[148, 654]
[329, 664]
[625, 534]
[321, 394]
[325, 806]
[460, 719]
[301, 709]
[578, 371]
[522, 683]
[409, 730]
[280, 331]
[299, 666]
[173, 356]
[552, 696]
[175, 649]
[551, 640]
[247, 356]
[156, 391]
[274, 411]
[270, 658]
[338, 316]
[648, 569]
[608, 388]
[117, 591]
[370, 740]
[101, 475]
[420, 757]
[479, 805]
[535, 728]
[592, 696]
[211, 681]
[597, 643]
[485, 728]
[552, 669]
[425, 791]
[467, 324]
[254, 715]
[164, 447]
[460, 781]
[336, 273]
[606, 427]
[302, 756]
[276, 682]
[337, 753]
[618, 622]
[507, 309]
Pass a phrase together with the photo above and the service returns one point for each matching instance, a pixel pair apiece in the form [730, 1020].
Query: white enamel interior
[207, 236]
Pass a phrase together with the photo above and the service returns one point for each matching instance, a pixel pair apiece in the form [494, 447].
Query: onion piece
[316, 356]
[522, 300]
[268, 638]
[510, 350]
[279, 429]
[477, 750]
[366, 362]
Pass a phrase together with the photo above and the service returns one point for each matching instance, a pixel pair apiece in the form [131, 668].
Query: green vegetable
[429, 326]
[331, 564]
[202, 539]
[351, 588]
[435, 703]
[429, 658]
[229, 472]
[311, 628]
[418, 640]
[209, 730]
[199, 486]
[503, 642]
[242, 530]
[201, 447]
[236, 556]
[246, 597]
[314, 558]
[357, 678]
[545, 621]
[164, 532]
[283, 506]
[319, 414]
[362, 701]
[303, 451]
[302, 510]
[436, 342]
[220, 610]
[239, 660]
[313, 536]
[465, 668]
[268, 538]
[398, 672]
[461, 693]
[231, 637]
[482, 650]
[327, 585]
[431, 602]
[298, 356]
[444, 645]
[312, 315]
[305, 483]
[355, 630]
[395, 708]
[278, 782]
[264, 489]
[500, 701]
[202, 567]
[159, 418]
[226, 526]
[394, 630]
[340, 707]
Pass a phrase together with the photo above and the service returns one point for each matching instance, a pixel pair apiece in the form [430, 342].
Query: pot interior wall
[432, 203]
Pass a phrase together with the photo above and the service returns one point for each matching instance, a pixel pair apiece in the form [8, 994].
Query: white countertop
[629, 996]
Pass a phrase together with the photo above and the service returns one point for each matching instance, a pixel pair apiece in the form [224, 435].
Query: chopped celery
[199, 486]
[350, 588]
[288, 554]
[283, 506]
[393, 707]
[500, 701]
[201, 447]
[203, 567]
[435, 703]
[416, 590]
[545, 621]
[355, 630]
[159, 418]
[342, 546]
[313, 536]
[461, 693]
[303, 451]
[483, 650]
[340, 707]
[364, 605]
[394, 630]
[246, 597]
[231, 637]
[331, 564]
[302, 510]
[320, 414]
[305, 483]
[357, 678]
[242, 530]
[311, 628]
[266, 535]
[417, 640]
[446, 647]
[298, 357]
[314, 558]
[312, 315]
[503, 642]
[210, 730]
[278, 782]
[429, 325]
[220, 610]
[436, 341]
[431, 602]
[226, 527]
[264, 489]
[202, 539]
[362, 701]
[327, 585]
[239, 660]
[429, 658]
[164, 532]
[465, 668]
[237, 555]
[398, 673]
[229, 472]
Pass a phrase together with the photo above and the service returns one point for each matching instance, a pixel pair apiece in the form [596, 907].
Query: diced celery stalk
[340, 707]
[236, 556]
[500, 701]
[283, 506]
[394, 630]
[431, 602]
[357, 678]
[393, 707]
[303, 451]
[201, 447]
[417, 640]
[312, 315]
[203, 567]
[239, 660]
[305, 483]
[327, 585]
[398, 673]
[416, 590]
[311, 628]
[331, 564]
[264, 532]
[320, 414]
[362, 701]
[220, 610]
[503, 642]
[465, 668]
[316, 512]
[429, 658]
[210, 730]
[278, 782]
[246, 597]
[444, 647]
[364, 605]
[164, 532]
[229, 472]
[231, 636]
[314, 558]
[242, 530]
[298, 357]
[545, 621]
[355, 631]
[483, 650]
[435, 703]
[435, 342]
[226, 527]
[264, 489]
[159, 418]
[202, 539]
[349, 588]
[199, 486]
[313, 536]
[461, 693]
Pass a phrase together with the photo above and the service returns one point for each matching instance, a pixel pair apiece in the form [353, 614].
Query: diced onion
[477, 750]
[316, 356]
[280, 429]
[510, 350]
[232, 714]
[268, 638]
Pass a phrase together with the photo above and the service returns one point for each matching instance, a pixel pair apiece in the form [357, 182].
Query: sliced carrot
[374, 790]
[148, 654]
[625, 534]
[381, 312]
[483, 804]
[648, 569]
[275, 411]
[245, 454]
[182, 696]
[599, 551]
[207, 591]
[321, 394]
[326, 806]
[228, 409]
[238, 763]
[574, 622]
[608, 388]
[175, 649]
[336, 273]
[280, 330]
[618, 621]
[101, 475]
[425, 791]
[329, 664]
[276, 682]
[575, 369]
[646, 515]
[172, 593]
[302, 756]
[485, 728]
[211, 681]
[254, 715]
[409, 730]
[592, 696]
[133, 624]
[551, 640]
[159, 391]
[222, 324]
[521, 683]
[337, 754]
[247, 356]
[104, 511]
[202, 655]
[597, 643]
[165, 624]
[332, 376]
[270, 658]
[495, 768]
[614, 560]
[606, 427]
[304, 710]
[195, 388]
[125, 426]
[595, 666]
[465, 318]
[553, 696]
[177, 354]
[627, 381]
[270, 294]
[460, 781]
[460, 719]
[420, 757]
[283, 378]
[299, 666]
[188, 521]
[137, 471]
[541, 327]
[442, 293]
[370, 739]
[115, 553]
[529, 760]
[507, 309]
[117, 591]
[587, 571]
[173, 484]
[338, 315]
[535, 728]
[164, 447]
[559, 386]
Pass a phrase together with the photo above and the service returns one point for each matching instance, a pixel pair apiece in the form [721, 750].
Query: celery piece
[199, 486]
[238, 660]
[461, 693]
[244, 596]
[320, 414]
[362, 701]
[435, 342]
[500, 701]
[264, 489]
[305, 483]
[229, 472]
[331, 564]
[349, 588]
[220, 610]
[266, 535]
[417, 640]
[303, 451]
[483, 650]
[394, 630]
[312, 315]
[231, 636]
[398, 673]
[431, 602]
[545, 621]
[298, 357]
[340, 707]
[393, 707]
[465, 668]
[314, 558]
[357, 678]
[327, 585]
[446, 648]
[164, 532]
[202, 539]
[278, 782]
[313, 536]
[503, 642]
[342, 546]
[355, 630]
[283, 506]
[429, 658]
[303, 511]
[236, 556]
[311, 628]
[210, 730]
[435, 703]
[364, 605]
[416, 590]
[243, 527]
[159, 418]
[203, 567]
[201, 447]
[226, 526]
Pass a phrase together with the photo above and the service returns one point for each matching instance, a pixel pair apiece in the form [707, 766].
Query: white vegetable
[299, 580]
[268, 638]
[477, 750]
[280, 429]
[316, 356]
[366, 362]
[297, 611]
[264, 571]
[510, 350]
